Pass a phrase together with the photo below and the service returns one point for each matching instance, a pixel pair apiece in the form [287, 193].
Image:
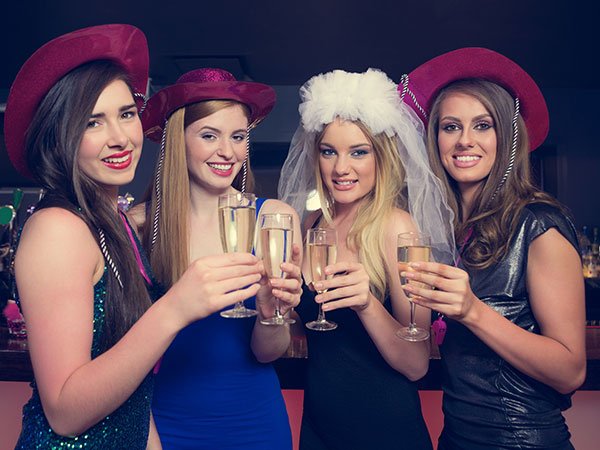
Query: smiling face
[111, 144]
[467, 141]
[346, 162]
[216, 148]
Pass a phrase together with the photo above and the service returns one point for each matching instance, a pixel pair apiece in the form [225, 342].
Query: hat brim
[259, 97]
[126, 45]
[427, 80]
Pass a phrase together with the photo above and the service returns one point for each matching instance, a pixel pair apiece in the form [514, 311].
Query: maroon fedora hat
[427, 80]
[205, 84]
[124, 44]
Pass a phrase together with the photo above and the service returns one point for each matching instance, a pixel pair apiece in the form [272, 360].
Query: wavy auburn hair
[494, 216]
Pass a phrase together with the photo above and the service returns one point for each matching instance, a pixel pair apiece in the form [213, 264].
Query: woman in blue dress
[515, 344]
[215, 387]
[94, 334]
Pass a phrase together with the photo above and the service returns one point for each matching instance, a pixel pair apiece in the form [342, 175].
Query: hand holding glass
[276, 241]
[237, 220]
[321, 249]
[413, 246]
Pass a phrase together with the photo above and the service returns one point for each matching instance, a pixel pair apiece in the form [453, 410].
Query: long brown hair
[52, 146]
[494, 216]
[170, 254]
[389, 192]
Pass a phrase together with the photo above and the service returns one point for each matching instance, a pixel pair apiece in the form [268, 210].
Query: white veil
[372, 98]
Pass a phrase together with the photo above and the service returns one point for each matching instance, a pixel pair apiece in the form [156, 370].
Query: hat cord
[157, 186]
[144, 100]
[107, 256]
[405, 90]
[513, 149]
[245, 163]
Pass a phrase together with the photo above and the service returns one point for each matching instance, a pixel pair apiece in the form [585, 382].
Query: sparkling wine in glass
[413, 246]
[321, 248]
[276, 241]
[237, 220]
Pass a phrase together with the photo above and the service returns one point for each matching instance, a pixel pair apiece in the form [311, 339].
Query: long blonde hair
[375, 210]
[170, 255]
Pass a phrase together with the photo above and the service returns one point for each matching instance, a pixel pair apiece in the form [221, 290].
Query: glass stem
[321, 315]
[278, 310]
[239, 305]
[412, 324]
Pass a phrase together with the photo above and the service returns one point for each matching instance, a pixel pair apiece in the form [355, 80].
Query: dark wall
[574, 131]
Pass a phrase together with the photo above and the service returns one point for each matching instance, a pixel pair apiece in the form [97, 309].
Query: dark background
[285, 43]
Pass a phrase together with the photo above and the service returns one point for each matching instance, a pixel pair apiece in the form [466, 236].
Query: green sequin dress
[125, 428]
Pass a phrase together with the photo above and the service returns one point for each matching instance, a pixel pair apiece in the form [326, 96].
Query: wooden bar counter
[16, 366]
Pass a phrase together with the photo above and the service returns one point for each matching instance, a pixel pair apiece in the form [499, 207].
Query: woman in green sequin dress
[94, 334]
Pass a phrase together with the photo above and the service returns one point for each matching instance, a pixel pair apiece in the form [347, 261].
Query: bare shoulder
[399, 221]
[55, 238]
[55, 222]
[272, 206]
[137, 215]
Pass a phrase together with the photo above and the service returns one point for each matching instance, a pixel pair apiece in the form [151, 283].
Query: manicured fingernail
[318, 286]
[416, 265]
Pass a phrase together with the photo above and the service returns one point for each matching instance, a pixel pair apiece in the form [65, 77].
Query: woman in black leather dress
[515, 344]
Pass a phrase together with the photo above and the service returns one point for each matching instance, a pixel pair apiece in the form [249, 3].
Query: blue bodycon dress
[212, 393]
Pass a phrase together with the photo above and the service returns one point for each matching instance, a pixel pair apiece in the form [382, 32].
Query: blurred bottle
[585, 247]
[594, 248]
[584, 239]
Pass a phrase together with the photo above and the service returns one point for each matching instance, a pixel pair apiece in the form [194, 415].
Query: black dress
[353, 399]
[488, 404]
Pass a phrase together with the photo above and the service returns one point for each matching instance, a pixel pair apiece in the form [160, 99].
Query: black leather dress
[488, 404]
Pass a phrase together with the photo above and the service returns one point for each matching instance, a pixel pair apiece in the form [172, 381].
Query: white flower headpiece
[371, 98]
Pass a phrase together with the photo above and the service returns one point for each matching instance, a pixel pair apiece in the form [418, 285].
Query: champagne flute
[237, 220]
[413, 246]
[322, 251]
[276, 240]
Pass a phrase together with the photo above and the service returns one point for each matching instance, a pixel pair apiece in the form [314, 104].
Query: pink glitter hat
[205, 84]
[124, 44]
[421, 87]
